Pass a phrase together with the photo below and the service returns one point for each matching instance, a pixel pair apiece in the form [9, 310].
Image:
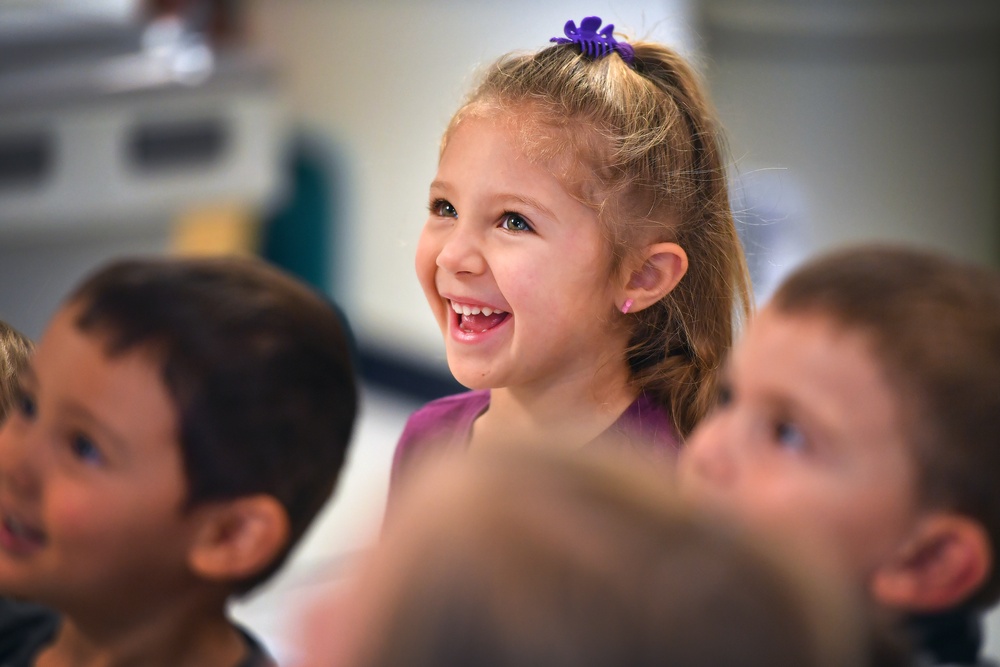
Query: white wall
[862, 121]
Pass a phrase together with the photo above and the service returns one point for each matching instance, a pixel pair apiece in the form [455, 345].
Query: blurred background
[306, 131]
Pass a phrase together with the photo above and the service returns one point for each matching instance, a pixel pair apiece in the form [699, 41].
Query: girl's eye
[443, 208]
[84, 449]
[514, 223]
[789, 436]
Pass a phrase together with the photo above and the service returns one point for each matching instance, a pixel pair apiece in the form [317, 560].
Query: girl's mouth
[477, 319]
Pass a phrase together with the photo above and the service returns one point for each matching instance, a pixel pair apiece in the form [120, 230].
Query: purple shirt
[447, 423]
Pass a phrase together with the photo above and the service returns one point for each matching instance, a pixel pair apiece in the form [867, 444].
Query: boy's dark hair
[257, 364]
[934, 326]
[15, 348]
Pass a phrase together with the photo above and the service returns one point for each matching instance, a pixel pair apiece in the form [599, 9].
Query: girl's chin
[471, 380]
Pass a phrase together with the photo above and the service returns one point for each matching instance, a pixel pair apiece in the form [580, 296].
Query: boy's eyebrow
[106, 432]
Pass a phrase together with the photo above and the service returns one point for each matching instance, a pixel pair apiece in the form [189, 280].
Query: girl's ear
[237, 539]
[947, 559]
[661, 267]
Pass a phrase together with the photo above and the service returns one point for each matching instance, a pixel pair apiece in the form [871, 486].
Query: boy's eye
[83, 448]
[789, 436]
[514, 223]
[25, 404]
[443, 208]
[724, 397]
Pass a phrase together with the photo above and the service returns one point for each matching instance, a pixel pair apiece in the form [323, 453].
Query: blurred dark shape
[25, 160]
[164, 145]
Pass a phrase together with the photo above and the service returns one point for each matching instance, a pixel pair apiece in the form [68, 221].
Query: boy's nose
[461, 252]
[708, 460]
[18, 468]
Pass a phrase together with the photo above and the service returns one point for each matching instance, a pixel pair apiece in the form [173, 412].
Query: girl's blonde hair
[641, 145]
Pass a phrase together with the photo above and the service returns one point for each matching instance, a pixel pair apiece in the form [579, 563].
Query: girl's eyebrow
[527, 201]
[504, 198]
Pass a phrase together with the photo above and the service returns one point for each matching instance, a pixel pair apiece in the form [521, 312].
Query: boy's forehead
[774, 325]
[814, 361]
[107, 334]
[122, 390]
[65, 341]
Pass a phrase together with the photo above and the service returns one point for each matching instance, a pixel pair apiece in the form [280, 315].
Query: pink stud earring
[626, 306]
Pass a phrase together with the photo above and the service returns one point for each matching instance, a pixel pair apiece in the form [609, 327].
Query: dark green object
[297, 236]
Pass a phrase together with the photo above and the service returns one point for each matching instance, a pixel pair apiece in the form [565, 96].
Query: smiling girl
[580, 254]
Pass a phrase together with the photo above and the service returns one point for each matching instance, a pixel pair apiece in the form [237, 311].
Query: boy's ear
[946, 560]
[237, 539]
[660, 268]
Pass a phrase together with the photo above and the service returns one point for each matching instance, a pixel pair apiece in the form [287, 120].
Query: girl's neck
[179, 636]
[568, 414]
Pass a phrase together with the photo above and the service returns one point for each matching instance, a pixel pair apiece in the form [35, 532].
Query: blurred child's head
[15, 348]
[638, 147]
[861, 409]
[181, 421]
[530, 558]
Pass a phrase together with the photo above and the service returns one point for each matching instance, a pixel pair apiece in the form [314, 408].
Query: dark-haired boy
[178, 427]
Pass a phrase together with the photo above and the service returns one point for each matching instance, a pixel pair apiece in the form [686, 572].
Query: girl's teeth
[462, 309]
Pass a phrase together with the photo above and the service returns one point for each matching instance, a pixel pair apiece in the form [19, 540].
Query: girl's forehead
[553, 149]
[539, 134]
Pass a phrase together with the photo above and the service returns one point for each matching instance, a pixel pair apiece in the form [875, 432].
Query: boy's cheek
[73, 516]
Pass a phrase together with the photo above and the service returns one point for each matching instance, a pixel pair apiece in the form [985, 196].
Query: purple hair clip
[593, 43]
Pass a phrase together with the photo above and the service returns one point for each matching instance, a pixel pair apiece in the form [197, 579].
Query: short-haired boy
[862, 410]
[178, 427]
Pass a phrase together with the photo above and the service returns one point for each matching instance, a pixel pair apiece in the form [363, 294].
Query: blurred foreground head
[529, 558]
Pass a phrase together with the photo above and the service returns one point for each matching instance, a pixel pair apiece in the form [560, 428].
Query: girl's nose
[461, 251]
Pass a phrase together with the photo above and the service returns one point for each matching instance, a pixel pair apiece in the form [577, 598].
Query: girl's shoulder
[647, 425]
[451, 408]
[444, 422]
